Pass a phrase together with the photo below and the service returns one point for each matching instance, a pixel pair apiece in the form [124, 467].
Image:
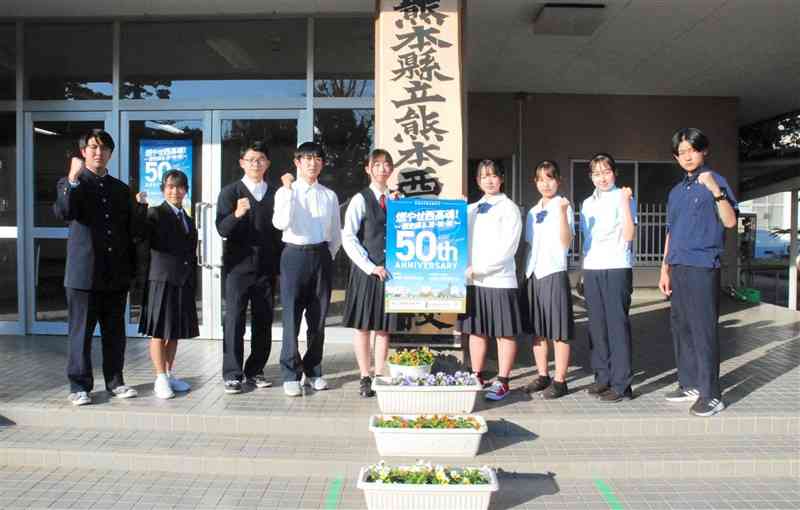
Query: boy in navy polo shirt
[699, 209]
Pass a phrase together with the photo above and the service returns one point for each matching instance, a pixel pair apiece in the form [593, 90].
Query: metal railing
[651, 231]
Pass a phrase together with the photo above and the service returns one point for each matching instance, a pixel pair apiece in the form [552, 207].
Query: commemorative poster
[159, 156]
[426, 255]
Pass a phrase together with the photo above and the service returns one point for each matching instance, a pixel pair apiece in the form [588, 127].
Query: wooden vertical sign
[419, 94]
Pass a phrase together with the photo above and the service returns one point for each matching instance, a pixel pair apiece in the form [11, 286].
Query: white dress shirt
[257, 190]
[546, 255]
[353, 217]
[493, 241]
[308, 214]
[601, 227]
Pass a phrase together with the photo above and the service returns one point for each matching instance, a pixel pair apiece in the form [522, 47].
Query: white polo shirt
[542, 233]
[601, 227]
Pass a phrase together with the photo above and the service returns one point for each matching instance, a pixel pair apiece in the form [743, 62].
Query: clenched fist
[287, 179]
[707, 180]
[141, 197]
[242, 206]
[75, 165]
[626, 194]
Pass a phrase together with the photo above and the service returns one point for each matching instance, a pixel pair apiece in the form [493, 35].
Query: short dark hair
[309, 149]
[256, 146]
[694, 136]
[492, 165]
[549, 167]
[178, 176]
[377, 153]
[101, 136]
[602, 157]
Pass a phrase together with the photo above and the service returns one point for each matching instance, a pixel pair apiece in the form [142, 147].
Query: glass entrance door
[153, 143]
[50, 138]
[231, 131]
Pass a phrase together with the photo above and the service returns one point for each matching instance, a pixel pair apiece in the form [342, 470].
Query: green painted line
[608, 495]
[334, 491]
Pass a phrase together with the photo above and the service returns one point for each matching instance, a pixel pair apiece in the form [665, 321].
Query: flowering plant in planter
[428, 422]
[412, 357]
[423, 473]
[438, 379]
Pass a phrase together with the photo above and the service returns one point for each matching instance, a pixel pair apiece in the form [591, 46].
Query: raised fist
[242, 206]
[287, 179]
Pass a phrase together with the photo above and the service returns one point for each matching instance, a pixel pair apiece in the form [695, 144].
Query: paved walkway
[261, 449]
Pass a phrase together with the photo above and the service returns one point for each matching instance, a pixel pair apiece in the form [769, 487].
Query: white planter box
[392, 496]
[405, 370]
[425, 399]
[427, 443]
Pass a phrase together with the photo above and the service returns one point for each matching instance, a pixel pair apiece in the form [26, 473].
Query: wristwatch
[722, 196]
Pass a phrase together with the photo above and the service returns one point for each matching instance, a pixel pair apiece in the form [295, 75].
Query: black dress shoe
[611, 396]
[540, 383]
[597, 389]
[365, 389]
[555, 390]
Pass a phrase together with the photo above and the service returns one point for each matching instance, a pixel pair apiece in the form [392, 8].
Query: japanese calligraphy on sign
[419, 94]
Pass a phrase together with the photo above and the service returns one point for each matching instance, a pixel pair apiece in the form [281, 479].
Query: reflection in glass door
[154, 143]
[232, 130]
[10, 322]
[50, 138]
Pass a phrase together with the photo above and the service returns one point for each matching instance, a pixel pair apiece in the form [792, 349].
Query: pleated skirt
[169, 311]
[491, 312]
[547, 305]
[364, 304]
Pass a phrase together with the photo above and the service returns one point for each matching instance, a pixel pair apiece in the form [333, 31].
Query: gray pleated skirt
[547, 305]
[491, 312]
[169, 311]
[364, 304]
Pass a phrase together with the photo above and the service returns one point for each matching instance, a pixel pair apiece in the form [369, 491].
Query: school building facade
[541, 80]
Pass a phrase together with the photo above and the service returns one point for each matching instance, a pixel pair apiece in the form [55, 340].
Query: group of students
[294, 232]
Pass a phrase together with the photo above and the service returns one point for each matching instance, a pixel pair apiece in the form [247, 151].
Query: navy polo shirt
[696, 234]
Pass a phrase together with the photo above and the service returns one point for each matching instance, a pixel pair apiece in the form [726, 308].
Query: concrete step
[307, 454]
[338, 417]
[36, 487]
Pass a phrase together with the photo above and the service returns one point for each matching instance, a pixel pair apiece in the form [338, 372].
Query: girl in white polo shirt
[607, 225]
[547, 300]
[495, 226]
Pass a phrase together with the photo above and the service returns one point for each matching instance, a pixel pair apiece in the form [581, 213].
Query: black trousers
[608, 301]
[306, 281]
[258, 291]
[694, 317]
[86, 308]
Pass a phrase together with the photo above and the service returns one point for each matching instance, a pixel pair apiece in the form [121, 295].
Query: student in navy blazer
[169, 311]
[250, 263]
[104, 221]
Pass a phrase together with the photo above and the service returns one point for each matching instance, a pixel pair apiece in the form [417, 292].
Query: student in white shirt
[308, 214]
[493, 307]
[364, 241]
[547, 299]
[607, 225]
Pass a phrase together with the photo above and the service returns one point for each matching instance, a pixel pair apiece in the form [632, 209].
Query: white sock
[162, 376]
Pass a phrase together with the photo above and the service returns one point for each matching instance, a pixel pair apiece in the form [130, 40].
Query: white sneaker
[124, 391]
[318, 383]
[80, 398]
[292, 388]
[179, 385]
[162, 387]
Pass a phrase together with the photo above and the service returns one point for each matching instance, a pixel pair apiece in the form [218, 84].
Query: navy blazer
[104, 223]
[252, 243]
[172, 251]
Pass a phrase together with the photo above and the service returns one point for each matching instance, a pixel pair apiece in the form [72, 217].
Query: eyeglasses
[257, 161]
